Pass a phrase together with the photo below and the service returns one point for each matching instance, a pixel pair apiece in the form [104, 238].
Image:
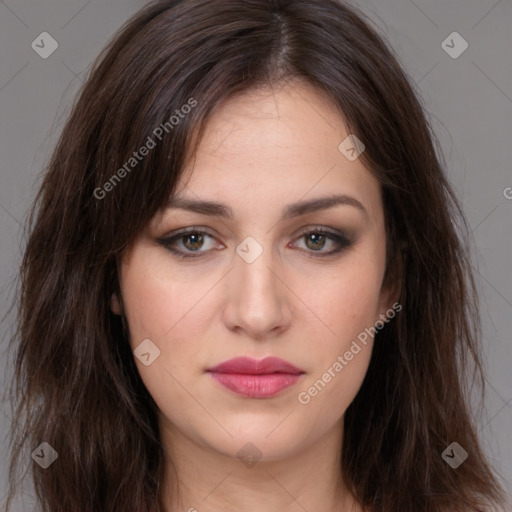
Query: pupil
[197, 243]
[319, 238]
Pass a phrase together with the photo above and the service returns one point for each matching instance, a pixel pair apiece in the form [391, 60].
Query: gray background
[469, 99]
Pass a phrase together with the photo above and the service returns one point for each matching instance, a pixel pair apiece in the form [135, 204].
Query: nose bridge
[255, 266]
[256, 302]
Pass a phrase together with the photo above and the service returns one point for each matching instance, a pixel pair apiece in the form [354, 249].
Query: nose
[257, 298]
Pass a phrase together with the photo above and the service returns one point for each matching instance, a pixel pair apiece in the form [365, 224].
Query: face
[264, 280]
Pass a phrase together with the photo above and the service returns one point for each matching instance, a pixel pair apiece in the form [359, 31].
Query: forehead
[273, 146]
[279, 120]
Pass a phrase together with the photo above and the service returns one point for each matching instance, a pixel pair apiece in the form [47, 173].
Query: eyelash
[342, 241]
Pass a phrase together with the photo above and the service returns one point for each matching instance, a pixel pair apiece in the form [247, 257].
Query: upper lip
[247, 365]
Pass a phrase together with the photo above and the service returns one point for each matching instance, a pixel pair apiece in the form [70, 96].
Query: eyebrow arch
[290, 211]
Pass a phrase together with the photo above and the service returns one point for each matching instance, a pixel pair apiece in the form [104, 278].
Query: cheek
[158, 302]
[349, 306]
[340, 361]
[326, 397]
[347, 302]
[166, 309]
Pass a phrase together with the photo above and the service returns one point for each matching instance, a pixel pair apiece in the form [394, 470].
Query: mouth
[254, 378]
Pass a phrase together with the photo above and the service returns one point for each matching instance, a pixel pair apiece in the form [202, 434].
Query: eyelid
[338, 237]
[176, 235]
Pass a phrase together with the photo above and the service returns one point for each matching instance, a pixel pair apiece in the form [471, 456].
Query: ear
[392, 284]
[115, 304]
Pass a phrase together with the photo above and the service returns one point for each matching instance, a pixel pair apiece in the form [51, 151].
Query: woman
[244, 288]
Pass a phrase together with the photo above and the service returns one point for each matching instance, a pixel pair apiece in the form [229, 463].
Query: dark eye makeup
[317, 236]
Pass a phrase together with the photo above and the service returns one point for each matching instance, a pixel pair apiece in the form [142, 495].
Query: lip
[251, 366]
[256, 378]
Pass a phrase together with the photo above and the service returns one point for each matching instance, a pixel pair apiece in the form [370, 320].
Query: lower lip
[256, 386]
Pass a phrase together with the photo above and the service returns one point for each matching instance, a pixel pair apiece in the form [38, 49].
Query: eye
[192, 239]
[192, 242]
[316, 239]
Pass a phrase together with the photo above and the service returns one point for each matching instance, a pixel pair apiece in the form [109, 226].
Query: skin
[262, 150]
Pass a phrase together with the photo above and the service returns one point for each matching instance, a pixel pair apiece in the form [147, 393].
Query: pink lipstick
[256, 378]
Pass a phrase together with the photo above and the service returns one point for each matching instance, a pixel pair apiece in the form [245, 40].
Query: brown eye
[190, 243]
[186, 243]
[316, 240]
[197, 240]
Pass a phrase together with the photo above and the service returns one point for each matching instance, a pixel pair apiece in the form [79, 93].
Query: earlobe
[115, 304]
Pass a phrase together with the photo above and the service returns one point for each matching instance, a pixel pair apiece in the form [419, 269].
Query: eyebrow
[290, 211]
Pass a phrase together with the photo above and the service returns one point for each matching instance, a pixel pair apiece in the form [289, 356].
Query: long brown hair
[76, 386]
